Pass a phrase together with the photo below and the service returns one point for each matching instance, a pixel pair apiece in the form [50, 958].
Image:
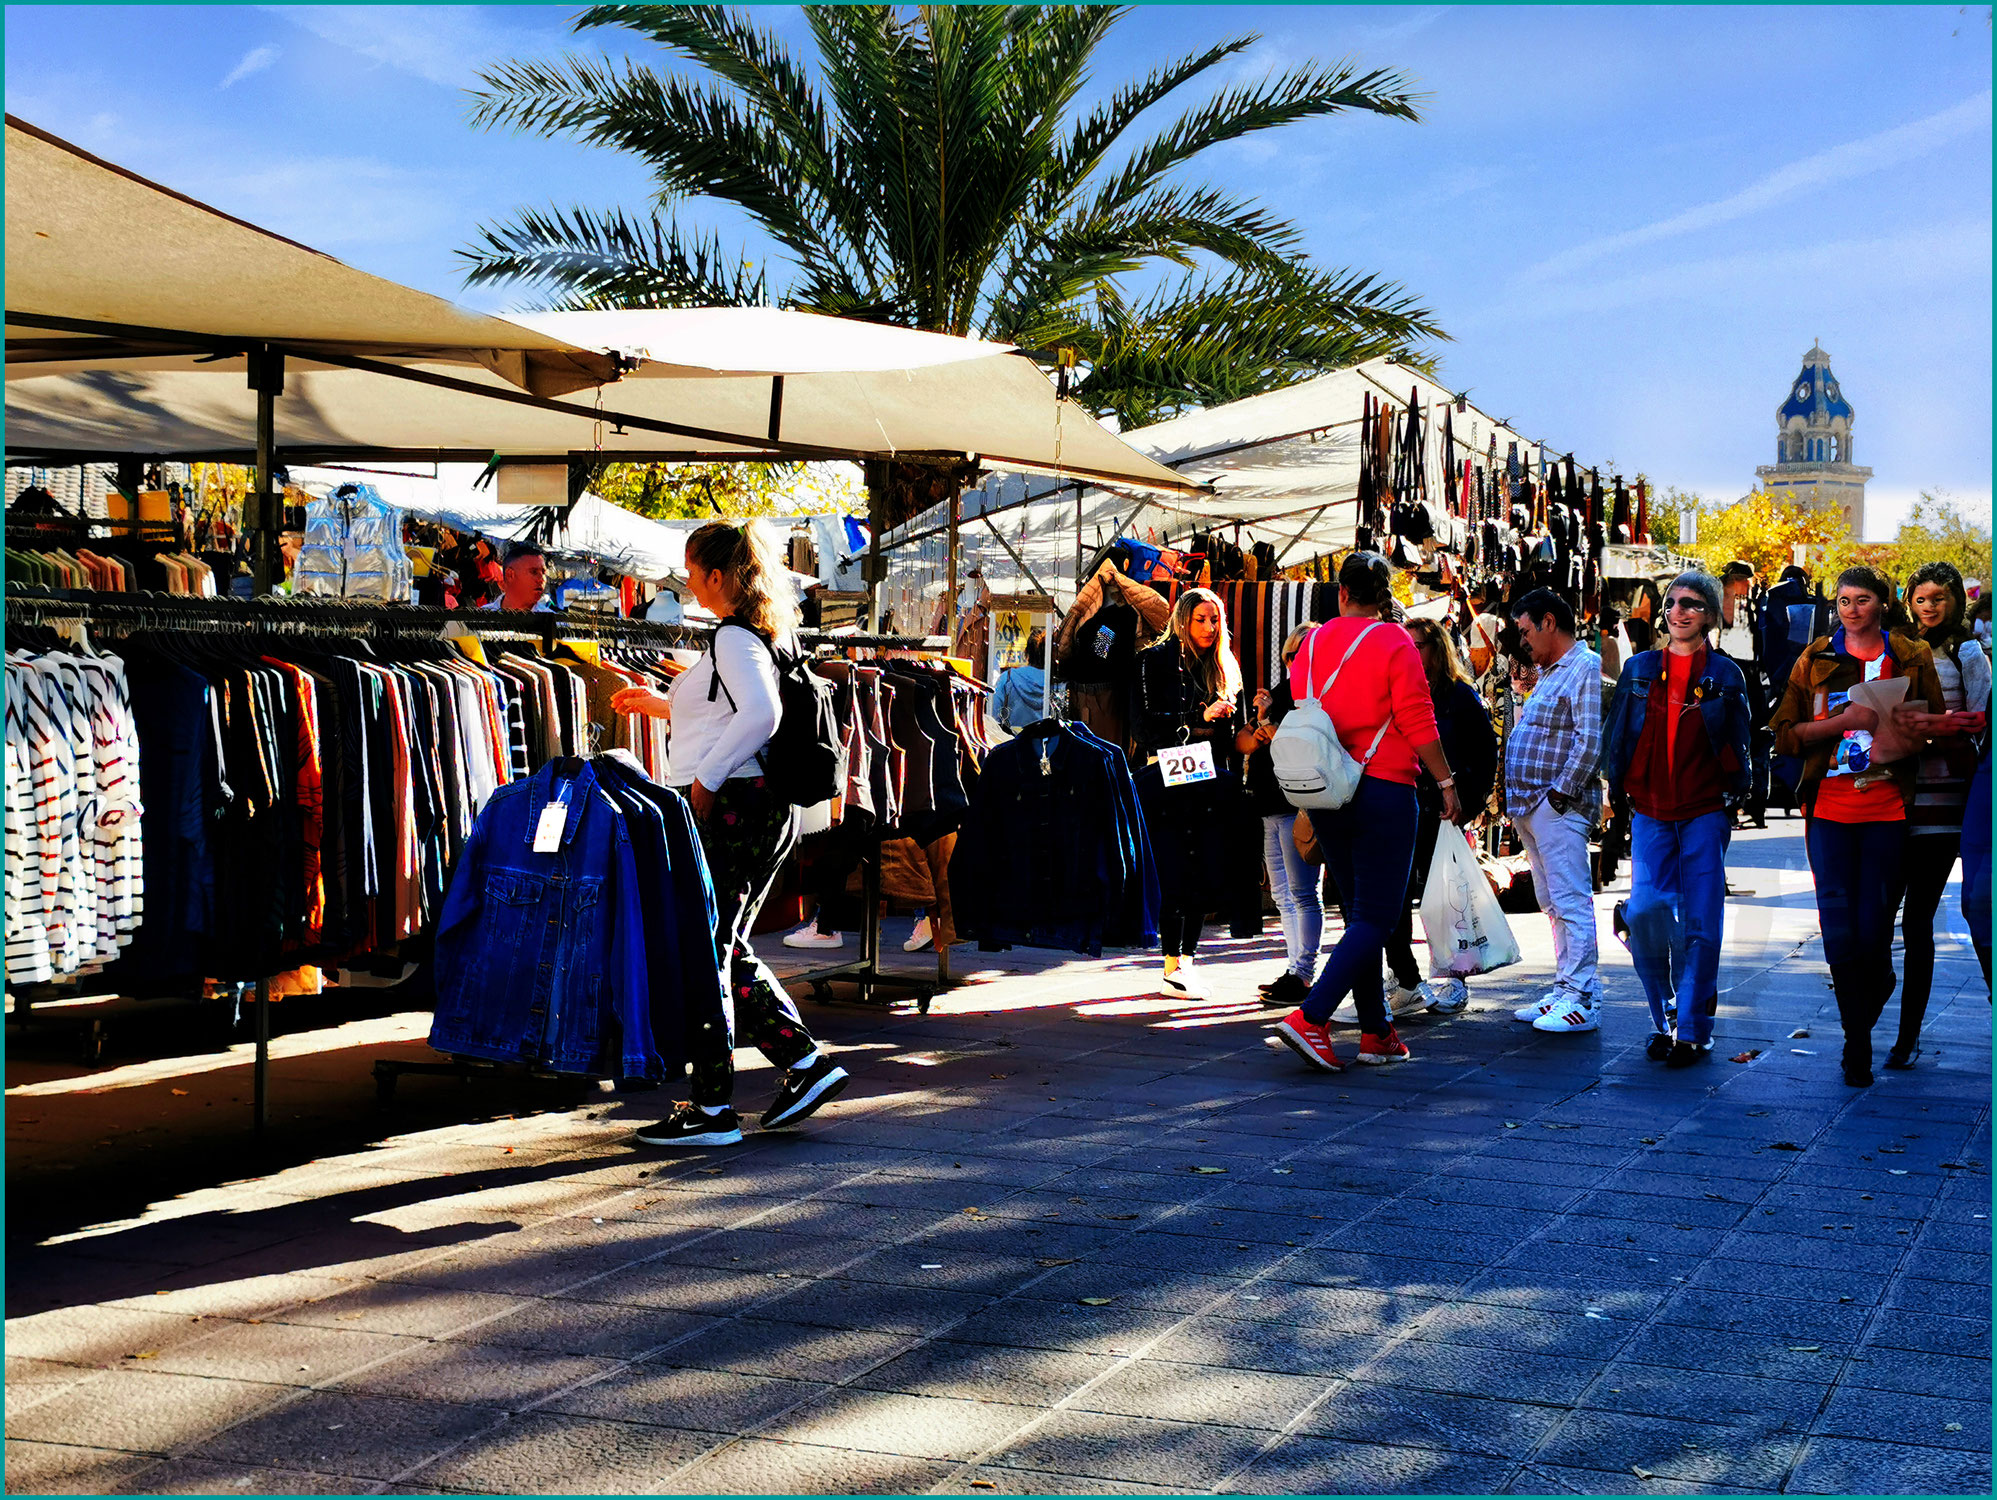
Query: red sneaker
[1383, 1049]
[1309, 1041]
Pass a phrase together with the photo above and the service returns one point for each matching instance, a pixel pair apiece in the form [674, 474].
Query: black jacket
[1168, 706]
[1463, 721]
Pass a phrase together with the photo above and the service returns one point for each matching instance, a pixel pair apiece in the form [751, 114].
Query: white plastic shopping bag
[1467, 931]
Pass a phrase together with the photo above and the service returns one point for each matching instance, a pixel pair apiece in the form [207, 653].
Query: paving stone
[1754, 1457]
[887, 1309]
[97, 1336]
[393, 1307]
[1364, 1412]
[63, 1469]
[1398, 1274]
[1181, 1454]
[197, 1476]
[279, 1353]
[1789, 1250]
[715, 1401]
[1564, 1289]
[598, 1329]
[1051, 1325]
[1020, 1377]
[212, 1292]
[1292, 1350]
[752, 1347]
[1952, 1299]
[337, 1432]
[474, 1375]
[1817, 1285]
[760, 1466]
[1949, 1265]
[1777, 1356]
[1181, 1252]
[914, 1426]
[144, 1412]
[1800, 1321]
[750, 1250]
[1896, 1417]
[1482, 1372]
[1726, 1399]
[1843, 1466]
[30, 1382]
[1575, 1335]
[1896, 1328]
[986, 1480]
[1339, 1308]
[1920, 1373]
[687, 1289]
[1202, 1393]
[1555, 1479]
[539, 1454]
[1330, 1466]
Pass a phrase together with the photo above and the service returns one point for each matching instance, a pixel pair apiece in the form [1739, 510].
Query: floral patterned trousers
[747, 838]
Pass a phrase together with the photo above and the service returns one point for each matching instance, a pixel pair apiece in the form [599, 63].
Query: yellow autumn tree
[1764, 529]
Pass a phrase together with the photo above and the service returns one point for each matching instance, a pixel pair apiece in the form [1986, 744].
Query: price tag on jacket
[1183, 765]
[548, 832]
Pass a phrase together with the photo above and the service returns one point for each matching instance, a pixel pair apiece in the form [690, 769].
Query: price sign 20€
[1182, 765]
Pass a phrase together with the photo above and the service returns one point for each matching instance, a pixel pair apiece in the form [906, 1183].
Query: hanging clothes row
[1260, 617]
[1054, 851]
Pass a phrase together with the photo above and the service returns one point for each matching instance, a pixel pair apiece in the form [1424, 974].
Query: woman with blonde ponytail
[723, 711]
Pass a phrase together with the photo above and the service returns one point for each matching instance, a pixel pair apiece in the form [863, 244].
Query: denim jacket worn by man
[1719, 690]
[541, 957]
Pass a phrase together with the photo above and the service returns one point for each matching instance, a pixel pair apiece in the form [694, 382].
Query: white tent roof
[1283, 466]
[112, 352]
[89, 243]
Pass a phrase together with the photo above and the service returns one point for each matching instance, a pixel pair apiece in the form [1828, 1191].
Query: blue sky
[1634, 221]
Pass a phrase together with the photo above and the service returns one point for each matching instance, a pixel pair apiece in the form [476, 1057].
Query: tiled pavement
[1061, 1237]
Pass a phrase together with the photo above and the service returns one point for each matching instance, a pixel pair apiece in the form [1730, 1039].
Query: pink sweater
[1383, 683]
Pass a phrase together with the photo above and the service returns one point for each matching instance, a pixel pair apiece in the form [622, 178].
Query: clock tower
[1813, 460]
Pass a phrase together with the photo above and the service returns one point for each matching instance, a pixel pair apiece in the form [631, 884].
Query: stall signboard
[1013, 619]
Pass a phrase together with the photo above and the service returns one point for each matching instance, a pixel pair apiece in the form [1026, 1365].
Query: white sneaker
[1402, 1002]
[1184, 982]
[808, 936]
[919, 939]
[1574, 1013]
[1446, 996]
[1347, 1013]
[1532, 1010]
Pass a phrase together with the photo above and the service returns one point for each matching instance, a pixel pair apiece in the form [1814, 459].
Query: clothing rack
[279, 614]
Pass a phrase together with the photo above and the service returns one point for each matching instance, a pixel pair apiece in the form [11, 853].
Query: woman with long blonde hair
[1188, 693]
[723, 711]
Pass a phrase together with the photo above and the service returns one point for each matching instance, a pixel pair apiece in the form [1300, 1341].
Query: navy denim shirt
[1729, 721]
[540, 958]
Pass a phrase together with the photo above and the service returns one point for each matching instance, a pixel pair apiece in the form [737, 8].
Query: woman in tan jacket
[1856, 805]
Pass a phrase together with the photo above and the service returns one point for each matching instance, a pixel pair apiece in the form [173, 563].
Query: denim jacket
[1729, 721]
[540, 958]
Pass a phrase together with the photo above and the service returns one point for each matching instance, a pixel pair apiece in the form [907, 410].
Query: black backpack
[804, 761]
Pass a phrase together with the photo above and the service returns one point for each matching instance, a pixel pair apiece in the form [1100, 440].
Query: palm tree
[933, 170]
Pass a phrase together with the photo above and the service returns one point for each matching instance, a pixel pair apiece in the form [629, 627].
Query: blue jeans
[1294, 885]
[1369, 848]
[1676, 907]
[1860, 874]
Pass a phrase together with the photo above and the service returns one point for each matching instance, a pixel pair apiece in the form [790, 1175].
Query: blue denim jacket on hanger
[540, 958]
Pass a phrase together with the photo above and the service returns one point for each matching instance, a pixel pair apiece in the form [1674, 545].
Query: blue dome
[1815, 395]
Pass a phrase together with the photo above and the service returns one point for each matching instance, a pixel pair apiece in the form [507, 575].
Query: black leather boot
[1857, 1012]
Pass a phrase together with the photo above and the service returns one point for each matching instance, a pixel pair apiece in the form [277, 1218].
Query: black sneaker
[1685, 1054]
[1287, 993]
[803, 1092]
[689, 1125]
[1658, 1048]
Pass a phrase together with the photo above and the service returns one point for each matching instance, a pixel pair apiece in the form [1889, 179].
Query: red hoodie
[1384, 683]
[1672, 781]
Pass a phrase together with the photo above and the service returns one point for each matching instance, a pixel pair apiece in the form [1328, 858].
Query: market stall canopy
[113, 353]
[1283, 467]
[103, 264]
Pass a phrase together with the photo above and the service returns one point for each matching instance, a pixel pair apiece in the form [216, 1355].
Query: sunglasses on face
[1684, 601]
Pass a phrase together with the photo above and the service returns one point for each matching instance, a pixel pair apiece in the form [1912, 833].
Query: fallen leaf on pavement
[710, 1171]
[1209, 1169]
[178, 1093]
[1055, 1261]
[1549, 1125]
[1097, 1301]
[1806, 1348]
[1800, 1031]
[1784, 1146]
[1896, 1171]
[1511, 1124]
[1641, 1472]
[1119, 1216]
[1951, 1427]
[1285, 1171]
[1747, 1056]
[1802, 1051]
[983, 1484]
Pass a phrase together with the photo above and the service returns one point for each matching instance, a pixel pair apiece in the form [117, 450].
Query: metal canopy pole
[267, 380]
[956, 520]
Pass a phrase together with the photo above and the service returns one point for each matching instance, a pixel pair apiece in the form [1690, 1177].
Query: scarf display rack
[278, 617]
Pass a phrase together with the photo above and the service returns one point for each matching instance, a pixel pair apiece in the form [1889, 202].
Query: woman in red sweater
[1379, 704]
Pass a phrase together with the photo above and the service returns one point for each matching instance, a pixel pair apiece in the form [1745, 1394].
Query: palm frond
[584, 259]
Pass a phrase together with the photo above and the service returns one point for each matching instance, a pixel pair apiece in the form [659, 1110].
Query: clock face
[1803, 390]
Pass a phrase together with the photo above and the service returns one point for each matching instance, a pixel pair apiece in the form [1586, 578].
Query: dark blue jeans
[1369, 848]
[1677, 900]
[1860, 873]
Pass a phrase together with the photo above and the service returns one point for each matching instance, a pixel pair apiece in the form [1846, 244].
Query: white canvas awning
[111, 355]
[1284, 467]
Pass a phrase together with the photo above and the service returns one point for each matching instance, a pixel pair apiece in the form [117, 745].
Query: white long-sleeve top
[714, 741]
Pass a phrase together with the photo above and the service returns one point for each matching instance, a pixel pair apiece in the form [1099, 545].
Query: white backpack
[1312, 767]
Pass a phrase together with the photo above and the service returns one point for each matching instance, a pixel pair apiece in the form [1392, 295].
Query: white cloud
[1859, 158]
[441, 44]
[1415, 23]
[254, 61]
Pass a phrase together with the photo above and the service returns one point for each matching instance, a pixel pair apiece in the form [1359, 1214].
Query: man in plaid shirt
[1549, 795]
